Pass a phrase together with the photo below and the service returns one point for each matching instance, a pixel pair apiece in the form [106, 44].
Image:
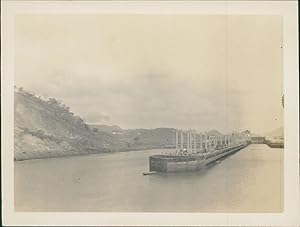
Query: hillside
[149, 138]
[47, 128]
[140, 138]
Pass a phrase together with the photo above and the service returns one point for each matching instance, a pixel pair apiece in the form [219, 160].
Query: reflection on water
[249, 181]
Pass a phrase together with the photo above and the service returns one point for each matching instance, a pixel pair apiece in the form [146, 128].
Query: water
[249, 181]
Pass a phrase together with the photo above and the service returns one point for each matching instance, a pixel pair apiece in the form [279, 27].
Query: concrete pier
[191, 157]
[183, 163]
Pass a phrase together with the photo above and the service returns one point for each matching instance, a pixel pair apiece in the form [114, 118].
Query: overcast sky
[149, 71]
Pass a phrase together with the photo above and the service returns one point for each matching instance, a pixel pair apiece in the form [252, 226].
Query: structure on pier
[191, 141]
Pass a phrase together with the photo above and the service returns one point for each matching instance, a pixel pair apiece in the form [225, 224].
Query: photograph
[146, 113]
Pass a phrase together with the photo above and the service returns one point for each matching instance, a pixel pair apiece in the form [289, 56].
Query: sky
[149, 71]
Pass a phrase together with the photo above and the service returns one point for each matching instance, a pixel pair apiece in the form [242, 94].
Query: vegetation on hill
[47, 128]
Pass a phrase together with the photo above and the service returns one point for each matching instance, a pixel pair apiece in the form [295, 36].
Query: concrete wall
[157, 164]
[182, 166]
[161, 163]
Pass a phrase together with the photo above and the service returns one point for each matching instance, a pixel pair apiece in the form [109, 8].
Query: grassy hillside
[47, 128]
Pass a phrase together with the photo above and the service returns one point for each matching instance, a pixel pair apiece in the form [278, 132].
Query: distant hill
[105, 128]
[47, 128]
[140, 138]
[279, 132]
[151, 138]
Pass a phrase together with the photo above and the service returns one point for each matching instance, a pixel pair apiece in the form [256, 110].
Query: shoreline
[86, 154]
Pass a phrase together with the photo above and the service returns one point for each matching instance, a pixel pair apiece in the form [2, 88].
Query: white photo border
[287, 9]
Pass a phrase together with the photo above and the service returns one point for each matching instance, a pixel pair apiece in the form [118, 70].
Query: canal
[248, 181]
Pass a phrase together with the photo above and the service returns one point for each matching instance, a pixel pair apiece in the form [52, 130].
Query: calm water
[249, 181]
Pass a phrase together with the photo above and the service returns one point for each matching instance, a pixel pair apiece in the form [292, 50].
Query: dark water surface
[249, 181]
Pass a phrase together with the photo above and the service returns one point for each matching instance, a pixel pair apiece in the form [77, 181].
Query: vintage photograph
[148, 113]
